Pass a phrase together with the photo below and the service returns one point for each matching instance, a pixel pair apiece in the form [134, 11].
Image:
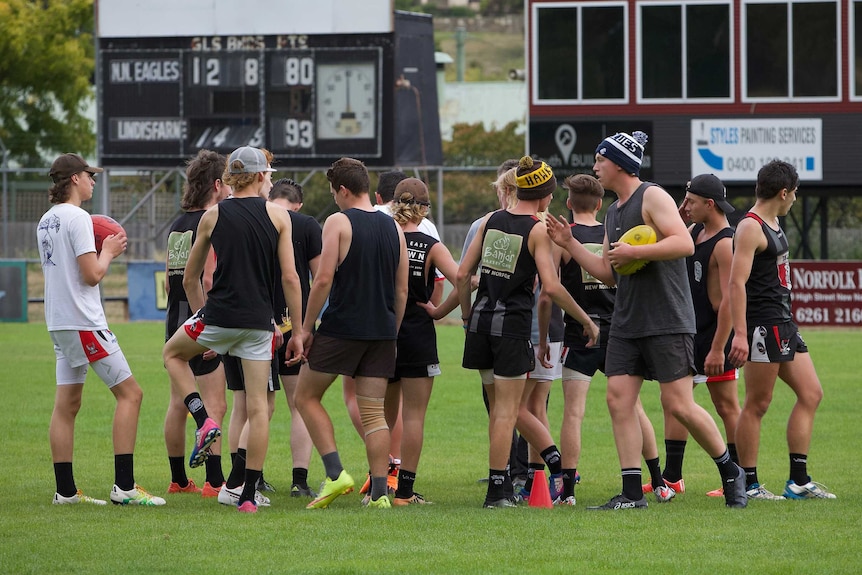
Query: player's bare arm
[94, 266]
[718, 278]
[197, 259]
[544, 307]
[334, 228]
[289, 281]
[402, 276]
[747, 241]
[441, 258]
[469, 265]
[661, 214]
[539, 244]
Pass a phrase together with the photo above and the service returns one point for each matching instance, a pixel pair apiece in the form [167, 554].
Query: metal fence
[146, 202]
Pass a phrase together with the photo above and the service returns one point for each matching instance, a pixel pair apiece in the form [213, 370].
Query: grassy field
[692, 534]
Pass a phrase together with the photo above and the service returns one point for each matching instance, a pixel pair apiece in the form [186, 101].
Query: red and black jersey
[767, 291]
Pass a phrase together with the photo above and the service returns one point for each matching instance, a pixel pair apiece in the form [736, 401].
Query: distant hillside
[492, 46]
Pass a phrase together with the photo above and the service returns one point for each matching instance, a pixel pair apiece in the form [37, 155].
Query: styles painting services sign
[735, 149]
[827, 293]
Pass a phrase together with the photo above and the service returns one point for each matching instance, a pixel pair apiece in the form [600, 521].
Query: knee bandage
[371, 414]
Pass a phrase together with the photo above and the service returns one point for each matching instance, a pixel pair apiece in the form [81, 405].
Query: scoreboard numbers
[163, 99]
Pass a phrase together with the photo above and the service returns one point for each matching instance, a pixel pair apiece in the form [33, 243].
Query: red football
[104, 226]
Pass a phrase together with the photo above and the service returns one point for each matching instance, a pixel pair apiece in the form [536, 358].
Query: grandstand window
[791, 50]
[580, 52]
[685, 52]
[856, 50]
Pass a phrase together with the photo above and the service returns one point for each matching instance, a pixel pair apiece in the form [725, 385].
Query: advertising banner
[734, 150]
[826, 293]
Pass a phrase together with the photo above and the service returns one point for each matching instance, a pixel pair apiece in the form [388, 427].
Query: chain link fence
[146, 202]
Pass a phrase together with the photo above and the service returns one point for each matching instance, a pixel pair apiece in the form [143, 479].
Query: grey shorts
[257, 344]
[663, 358]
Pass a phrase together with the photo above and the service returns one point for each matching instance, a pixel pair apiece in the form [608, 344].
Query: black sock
[508, 486]
[237, 472]
[250, 479]
[750, 477]
[551, 457]
[178, 470]
[569, 482]
[731, 447]
[65, 480]
[532, 468]
[215, 475]
[406, 479]
[675, 451]
[300, 477]
[632, 488]
[124, 471]
[332, 465]
[496, 484]
[726, 466]
[195, 405]
[654, 468]
[799, 468]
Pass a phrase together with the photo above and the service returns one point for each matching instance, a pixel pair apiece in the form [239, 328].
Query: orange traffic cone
[540, 495]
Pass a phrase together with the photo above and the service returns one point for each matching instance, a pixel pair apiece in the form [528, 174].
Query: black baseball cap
[710, 187]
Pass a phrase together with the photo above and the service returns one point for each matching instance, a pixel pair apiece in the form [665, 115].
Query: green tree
[473, 145]
[46, 67]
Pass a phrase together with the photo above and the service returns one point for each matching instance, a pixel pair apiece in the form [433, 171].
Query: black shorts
[281, 357]
[663, 358]
[415, 371]
[588, 360]
[775, 343]
[506, 356]
[236, 380]
[702, 345]
[352, 357]
[201, 366]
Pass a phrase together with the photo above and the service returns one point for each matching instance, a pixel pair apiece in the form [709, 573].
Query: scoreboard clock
[309, 99]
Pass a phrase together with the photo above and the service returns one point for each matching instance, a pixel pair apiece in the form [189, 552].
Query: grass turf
[692, 534]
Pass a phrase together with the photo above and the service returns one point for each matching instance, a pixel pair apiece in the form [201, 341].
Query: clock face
[346, 101]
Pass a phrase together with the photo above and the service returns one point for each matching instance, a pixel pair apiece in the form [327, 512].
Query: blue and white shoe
[810, 490]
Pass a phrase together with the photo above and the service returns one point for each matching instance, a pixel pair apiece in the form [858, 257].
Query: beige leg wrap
[371, 414]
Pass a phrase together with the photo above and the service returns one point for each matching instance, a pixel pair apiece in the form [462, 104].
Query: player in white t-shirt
[77, 326]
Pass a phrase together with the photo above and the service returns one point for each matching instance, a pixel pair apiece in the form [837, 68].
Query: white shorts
[75, 350]
[542, 373]
[254, 344]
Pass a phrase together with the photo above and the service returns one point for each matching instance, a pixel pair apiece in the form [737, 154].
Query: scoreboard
[309, 99]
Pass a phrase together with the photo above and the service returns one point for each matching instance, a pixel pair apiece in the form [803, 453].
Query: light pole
[4, 165]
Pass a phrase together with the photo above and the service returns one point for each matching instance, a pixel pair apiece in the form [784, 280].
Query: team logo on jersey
[698, 272]
[783, 265]
[500, 252]
[179, 248]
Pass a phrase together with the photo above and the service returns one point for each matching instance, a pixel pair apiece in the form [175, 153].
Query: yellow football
[636, 236]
